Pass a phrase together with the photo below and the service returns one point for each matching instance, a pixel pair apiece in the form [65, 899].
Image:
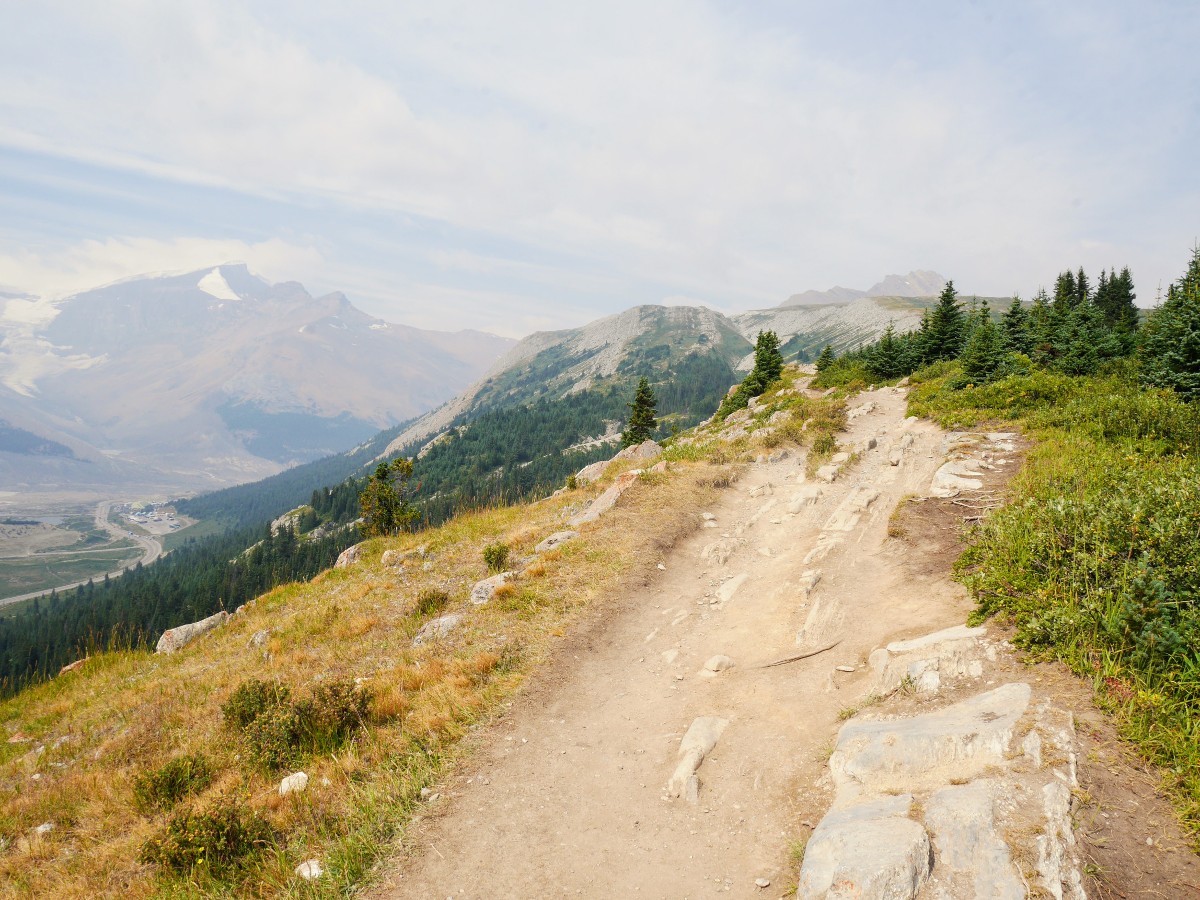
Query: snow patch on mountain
[214, 284]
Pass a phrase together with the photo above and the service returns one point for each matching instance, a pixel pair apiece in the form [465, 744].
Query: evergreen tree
[1084, 341]
[886, 359]
[641, 416]
[1018, 333]
[768, 360]
[1083, 291]
[1171, 343]
[942, 329]
[826, 359]
[1065, 292]
[384, 503]
[984, 354]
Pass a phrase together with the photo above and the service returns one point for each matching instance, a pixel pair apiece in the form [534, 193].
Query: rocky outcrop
[607, 500]
[555, 540]
[646, 450]
[349, 556]
[176, 638]
[958, 802]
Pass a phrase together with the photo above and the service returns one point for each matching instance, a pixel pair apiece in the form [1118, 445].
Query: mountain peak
[917, 283]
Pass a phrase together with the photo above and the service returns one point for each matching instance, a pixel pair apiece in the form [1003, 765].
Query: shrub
[496, 555]
[219, 839]
[165, 786]
[273, 737]
[824, 443]
[431, 601]
[251, 699]
[327, 719]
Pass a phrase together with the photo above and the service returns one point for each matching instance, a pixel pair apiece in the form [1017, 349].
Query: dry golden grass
[125, 713]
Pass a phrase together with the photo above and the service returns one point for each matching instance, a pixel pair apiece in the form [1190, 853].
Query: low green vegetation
[495, 556]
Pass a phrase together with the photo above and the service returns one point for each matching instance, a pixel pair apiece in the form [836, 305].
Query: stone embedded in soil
[554, 540]
[871, 851]
[972, 858]
[437, 628]
[960, 741]
[718, 664]
[349, 556]
[697, 743]
[485, 590]
[179, 637]
[607, 500]
[310, 869]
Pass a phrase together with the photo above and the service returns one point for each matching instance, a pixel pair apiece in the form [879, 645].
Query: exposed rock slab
[437, 628]
[350, 555]
[555, 540]
[177, 638]
[485, 590]
[607, 500]
[697, 743]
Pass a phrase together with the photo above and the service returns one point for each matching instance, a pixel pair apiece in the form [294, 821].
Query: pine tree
[1065, 291]
[983, 356]
[641, 416]
[1084, 341]
[942, 330]
[1017, 331]
[768, 361]
[826, 359]
[1171, 344]
[1083, 292]
[886, 359]
[384, 502]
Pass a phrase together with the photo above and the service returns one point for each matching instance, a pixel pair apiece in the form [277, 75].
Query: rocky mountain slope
[211, 377]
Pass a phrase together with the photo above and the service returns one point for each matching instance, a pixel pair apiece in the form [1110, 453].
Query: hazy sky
[516, 166]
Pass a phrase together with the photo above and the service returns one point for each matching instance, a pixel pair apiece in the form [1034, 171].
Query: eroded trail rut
[575, 794]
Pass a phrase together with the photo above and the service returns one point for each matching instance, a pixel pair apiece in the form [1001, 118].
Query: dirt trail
[569, 796]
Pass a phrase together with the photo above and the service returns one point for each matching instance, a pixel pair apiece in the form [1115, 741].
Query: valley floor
[567, 795]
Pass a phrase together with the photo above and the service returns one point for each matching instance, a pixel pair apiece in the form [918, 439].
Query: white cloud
[666, 142]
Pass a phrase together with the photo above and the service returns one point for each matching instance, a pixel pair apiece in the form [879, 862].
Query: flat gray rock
[559, 537]
[485, 590]
[972, 859]
[177, 638]
[868, 851]
[437, 628]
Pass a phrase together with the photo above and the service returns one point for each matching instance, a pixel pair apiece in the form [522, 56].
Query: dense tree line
[195, 581]
[1074, 333]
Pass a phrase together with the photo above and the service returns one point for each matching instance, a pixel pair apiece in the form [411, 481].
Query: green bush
[276, 732]
[430, 601]
[273, 738]
[328, 718]
[496, 555]
[251, 699]
[218, 839]
[165, 786]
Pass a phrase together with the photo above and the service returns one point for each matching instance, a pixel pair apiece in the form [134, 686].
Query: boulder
[644, 450]
[349, 556]
[485, 590]
[559, 537]
[591, 472]
[437, 628]
[259, 638]
[176, 638]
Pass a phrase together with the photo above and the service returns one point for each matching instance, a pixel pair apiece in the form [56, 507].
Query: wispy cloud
[635, 150]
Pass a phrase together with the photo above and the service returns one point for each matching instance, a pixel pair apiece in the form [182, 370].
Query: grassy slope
[1096, 559]
[125, 713]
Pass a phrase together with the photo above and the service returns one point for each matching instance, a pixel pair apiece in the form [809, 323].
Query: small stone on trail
[669, 656]
[662, 567]
[310, 869]
[719, 663]
[845, 668]
[762, 882]
[47, 827]
[707, 517]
